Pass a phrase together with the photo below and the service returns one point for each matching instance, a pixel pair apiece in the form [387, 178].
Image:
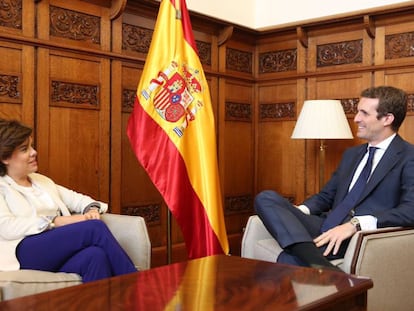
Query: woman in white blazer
[37, 228]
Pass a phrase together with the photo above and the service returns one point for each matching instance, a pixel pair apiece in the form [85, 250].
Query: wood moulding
[369, 26]
[117, 8]
[225, 35]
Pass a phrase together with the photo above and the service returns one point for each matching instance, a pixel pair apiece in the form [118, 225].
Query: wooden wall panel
[75, 23]
[394, 47]
[276, 167]
[11, 81]
[238, 142]
[16, 82]
[236, 128]
[73, 92]
[73, 112]
[403, 78]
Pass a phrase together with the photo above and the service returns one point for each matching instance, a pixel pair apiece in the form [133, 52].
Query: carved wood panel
[11, 14]
[278, 61]
[74, 25]
[10, 88]
[399, 45]
[339, 53]
[239, 60]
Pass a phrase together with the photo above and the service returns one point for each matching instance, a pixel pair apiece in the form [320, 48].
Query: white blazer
[18, 218]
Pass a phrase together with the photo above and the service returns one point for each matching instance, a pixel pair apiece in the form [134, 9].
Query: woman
[37, 228]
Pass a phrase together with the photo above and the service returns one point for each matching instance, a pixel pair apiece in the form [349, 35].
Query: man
[319, 230]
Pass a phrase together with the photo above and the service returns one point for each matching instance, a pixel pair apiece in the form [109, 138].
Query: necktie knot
[371, 151]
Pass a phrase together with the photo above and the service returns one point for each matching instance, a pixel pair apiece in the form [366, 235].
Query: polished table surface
[210, 283]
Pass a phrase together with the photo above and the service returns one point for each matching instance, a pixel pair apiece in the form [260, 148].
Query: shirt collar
[385, 143]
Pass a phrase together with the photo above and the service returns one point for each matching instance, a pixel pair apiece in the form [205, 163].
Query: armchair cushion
[131, 233]
[14, 284]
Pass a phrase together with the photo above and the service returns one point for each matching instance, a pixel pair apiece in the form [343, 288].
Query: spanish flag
[171, 130]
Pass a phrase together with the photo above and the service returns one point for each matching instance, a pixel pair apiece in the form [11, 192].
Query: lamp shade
[322, 119]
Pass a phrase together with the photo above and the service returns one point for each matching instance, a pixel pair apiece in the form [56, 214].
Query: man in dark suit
[315, 232]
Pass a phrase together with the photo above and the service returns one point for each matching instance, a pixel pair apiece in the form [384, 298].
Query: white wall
[261, 14]
[225, 10]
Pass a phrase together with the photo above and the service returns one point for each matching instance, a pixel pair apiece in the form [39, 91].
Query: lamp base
[322, 148]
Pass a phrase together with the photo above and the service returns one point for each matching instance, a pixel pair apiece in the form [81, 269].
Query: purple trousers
[87, 248]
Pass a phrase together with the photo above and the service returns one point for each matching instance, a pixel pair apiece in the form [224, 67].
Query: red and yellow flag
[172, 132]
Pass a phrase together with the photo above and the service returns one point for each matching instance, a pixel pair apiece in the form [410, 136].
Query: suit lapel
[390, 158]
[51, 190]
[354, 162]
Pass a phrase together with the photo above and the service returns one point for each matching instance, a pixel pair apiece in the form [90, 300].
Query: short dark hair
[12, 134]
[391, 100]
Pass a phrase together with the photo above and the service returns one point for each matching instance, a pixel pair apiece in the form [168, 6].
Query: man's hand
[334, 237]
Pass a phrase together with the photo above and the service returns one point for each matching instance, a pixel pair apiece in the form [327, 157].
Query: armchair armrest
[131, 232]
[384, 244]
[385, 255]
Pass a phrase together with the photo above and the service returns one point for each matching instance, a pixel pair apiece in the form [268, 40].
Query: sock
[310, 254]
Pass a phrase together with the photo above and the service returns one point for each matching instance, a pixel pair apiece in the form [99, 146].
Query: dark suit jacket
[389, 194]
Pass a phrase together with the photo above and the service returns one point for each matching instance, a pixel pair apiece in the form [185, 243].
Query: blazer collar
[390, 158]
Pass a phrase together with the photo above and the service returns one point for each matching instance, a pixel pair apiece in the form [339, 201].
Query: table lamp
[322, 119]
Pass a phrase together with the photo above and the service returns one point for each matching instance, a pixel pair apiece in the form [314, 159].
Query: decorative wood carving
[11, 13]
[151, 213]
[278, 61]
[410, 103]
[399, 45]
[238, 204]
[238, 112]
[128, 100]
[204, 52]
[302, 36]
[237, 60]
[277, 111]
[73, 94]
[340, 53]
[9, 87]
[74, 25]
[135, 38]
[225, 35]
[369, 26]
[350, 105]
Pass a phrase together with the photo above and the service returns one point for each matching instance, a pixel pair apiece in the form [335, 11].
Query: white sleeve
[304, 209]
[367, 222]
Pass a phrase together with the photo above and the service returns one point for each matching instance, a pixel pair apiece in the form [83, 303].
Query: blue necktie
[338, 214]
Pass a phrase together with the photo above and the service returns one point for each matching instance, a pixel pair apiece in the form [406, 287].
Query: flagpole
[169, 242]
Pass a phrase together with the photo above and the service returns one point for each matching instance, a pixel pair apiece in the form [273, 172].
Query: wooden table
[211, 283]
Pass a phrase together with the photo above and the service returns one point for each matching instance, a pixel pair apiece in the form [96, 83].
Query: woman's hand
[92, 214]
[66, 220]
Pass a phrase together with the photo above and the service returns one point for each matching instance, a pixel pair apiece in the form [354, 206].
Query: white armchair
[384, 255]
[130, 231]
